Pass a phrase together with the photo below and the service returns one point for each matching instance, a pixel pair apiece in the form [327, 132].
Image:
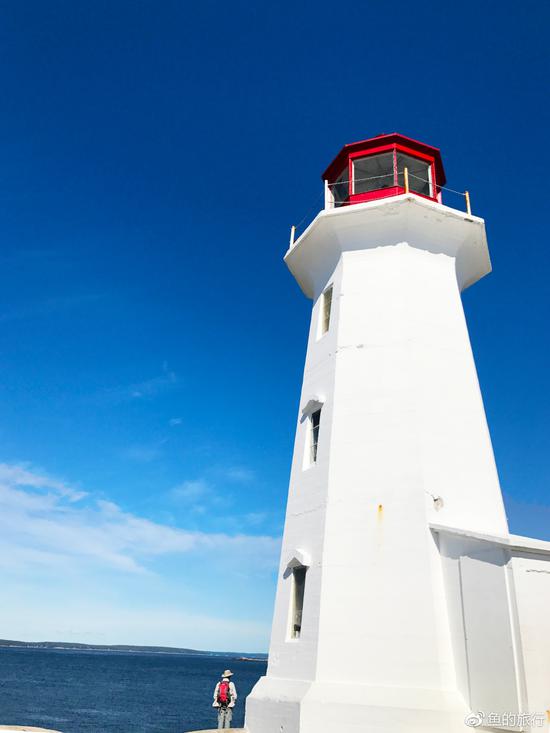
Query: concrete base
[215, 730]
[291, 706]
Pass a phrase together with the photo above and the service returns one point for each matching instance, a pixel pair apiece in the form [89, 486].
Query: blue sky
[154, 156]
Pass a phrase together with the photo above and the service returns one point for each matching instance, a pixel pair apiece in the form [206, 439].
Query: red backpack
[224, 694]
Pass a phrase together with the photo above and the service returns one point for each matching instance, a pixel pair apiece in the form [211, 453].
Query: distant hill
[125, 648]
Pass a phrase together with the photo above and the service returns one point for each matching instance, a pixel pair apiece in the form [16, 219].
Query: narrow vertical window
[314, 422]
[298, 587]
[327, 305]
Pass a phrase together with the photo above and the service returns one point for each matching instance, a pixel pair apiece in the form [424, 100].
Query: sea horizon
[146, 648]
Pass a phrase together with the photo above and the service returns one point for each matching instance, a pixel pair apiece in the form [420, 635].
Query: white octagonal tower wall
[403, 442]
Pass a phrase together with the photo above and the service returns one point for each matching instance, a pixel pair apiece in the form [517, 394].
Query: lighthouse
[403, 602]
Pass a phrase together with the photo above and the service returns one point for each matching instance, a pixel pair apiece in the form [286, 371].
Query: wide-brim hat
[227, 673]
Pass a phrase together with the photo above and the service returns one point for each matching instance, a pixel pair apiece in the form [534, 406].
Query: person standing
[225, 696]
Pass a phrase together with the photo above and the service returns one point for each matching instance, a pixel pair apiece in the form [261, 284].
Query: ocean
[116, 692]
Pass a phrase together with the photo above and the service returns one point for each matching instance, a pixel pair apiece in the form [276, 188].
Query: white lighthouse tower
[403, 603]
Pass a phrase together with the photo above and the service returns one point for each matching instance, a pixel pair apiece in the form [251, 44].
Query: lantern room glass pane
[420, 174]
[340, 188]
[373, 173]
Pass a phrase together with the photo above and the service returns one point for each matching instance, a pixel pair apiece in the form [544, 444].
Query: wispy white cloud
[145, 389]
[151, 387]
[239, 474]
[254, 519]
[173, 422]
[217, 489]
[22, 475]
[197, 496]
[45, 522]
[190, 490]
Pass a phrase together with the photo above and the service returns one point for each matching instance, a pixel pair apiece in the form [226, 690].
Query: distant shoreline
[79, 647]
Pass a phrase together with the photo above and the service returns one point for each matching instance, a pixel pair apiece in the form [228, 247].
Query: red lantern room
[386, 165]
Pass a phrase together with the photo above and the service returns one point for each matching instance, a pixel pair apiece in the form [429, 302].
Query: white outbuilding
[403, 602]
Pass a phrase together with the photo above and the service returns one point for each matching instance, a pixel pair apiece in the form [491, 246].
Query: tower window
[327, 305]
[298, 587]
[314, 422]
[373, 173]
[420, 174]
